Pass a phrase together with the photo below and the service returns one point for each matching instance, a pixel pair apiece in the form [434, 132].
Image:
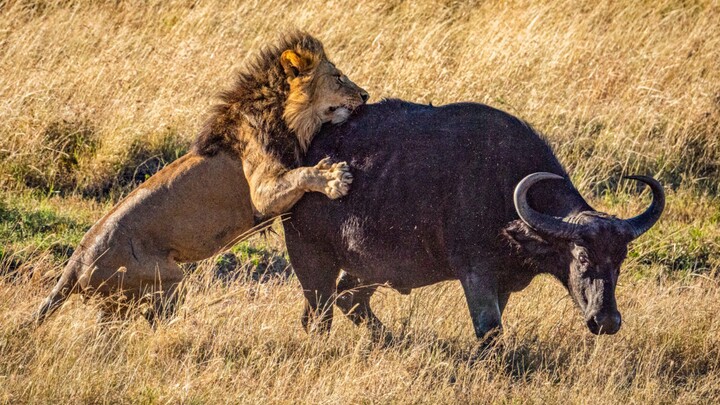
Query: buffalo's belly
[399, 277]
[404, 260]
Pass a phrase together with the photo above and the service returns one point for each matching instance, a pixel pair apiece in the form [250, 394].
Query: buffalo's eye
[583, 259]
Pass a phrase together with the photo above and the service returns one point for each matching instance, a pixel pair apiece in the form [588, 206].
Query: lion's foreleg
[275, 191]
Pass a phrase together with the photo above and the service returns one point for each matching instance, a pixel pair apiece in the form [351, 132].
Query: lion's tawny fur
[241, 167]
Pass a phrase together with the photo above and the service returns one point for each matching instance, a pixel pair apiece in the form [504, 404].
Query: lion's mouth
[340, 113]
[345, 106]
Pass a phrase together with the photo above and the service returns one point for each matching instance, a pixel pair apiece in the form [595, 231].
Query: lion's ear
[294, 64]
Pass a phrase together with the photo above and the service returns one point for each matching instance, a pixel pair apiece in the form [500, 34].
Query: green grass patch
[31, 226]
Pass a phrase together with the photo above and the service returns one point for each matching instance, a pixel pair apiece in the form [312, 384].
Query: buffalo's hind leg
[317, 273]
[354, 301]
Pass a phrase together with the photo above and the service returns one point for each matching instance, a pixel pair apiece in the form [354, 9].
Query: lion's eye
[339, 78]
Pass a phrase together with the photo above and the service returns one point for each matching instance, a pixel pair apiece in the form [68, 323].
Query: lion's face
[319, 93]
[335, 95]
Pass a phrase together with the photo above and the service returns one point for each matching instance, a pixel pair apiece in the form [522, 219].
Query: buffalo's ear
[295, 64]
[527, 241]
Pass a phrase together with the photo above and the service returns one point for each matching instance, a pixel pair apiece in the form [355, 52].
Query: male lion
[240, 168]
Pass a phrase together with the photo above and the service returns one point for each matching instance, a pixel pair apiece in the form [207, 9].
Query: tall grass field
[96, 96]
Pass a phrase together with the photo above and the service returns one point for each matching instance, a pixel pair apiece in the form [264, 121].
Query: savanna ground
[96, 96]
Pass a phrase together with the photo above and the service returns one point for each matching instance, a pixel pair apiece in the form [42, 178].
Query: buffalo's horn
[641, 223]
[536, 220]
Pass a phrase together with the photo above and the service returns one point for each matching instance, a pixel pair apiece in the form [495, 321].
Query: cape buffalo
[459, 192]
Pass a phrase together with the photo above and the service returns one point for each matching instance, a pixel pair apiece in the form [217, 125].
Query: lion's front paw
[337, 176]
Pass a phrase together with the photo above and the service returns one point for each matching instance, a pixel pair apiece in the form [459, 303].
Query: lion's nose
[365, 96]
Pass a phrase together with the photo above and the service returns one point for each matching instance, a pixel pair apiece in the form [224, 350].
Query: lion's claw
[338, 177]
[324, 164]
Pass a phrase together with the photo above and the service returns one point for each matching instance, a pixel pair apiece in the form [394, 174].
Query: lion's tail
[62, 290]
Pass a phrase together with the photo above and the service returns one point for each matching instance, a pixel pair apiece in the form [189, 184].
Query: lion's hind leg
[60, 292]
[115, 309]
[163, 306]
[163, 293]
[148, 287]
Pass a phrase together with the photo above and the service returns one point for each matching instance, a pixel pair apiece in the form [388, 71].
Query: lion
[242, 168]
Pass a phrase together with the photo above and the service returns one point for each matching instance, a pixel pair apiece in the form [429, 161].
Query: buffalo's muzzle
[604, 323]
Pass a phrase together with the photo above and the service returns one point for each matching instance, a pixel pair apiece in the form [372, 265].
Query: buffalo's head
[584, 250]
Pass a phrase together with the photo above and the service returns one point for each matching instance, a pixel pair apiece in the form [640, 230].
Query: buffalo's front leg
[484, 304]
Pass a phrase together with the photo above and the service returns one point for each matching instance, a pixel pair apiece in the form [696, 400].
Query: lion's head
[284, 96]
[319, 92]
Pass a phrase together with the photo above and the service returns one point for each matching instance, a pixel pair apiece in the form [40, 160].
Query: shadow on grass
[247, 263]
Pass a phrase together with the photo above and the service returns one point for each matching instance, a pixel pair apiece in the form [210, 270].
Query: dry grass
[617, 88]
[96, 96]
[242, 342]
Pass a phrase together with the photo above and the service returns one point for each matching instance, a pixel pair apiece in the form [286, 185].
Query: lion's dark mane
[257, 101]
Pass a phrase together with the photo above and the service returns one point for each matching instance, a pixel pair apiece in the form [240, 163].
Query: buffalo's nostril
[606, 323]
[593, 326]
[365, 96]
